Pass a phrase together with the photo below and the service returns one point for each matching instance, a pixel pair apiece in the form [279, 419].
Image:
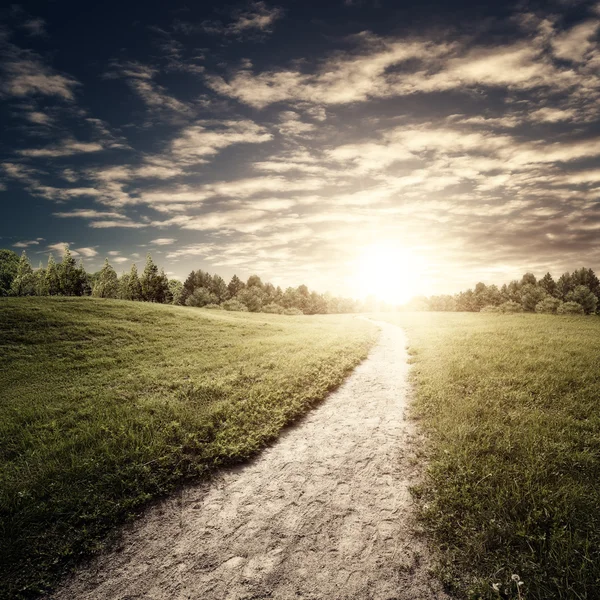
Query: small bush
[273, 308]
[292, 311]
[234, 305]
[214, 306]
[510, 307]
[570, 308]
[490, 309]
[549, 305]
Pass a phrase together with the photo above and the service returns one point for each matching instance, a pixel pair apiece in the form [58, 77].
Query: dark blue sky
[290, 138]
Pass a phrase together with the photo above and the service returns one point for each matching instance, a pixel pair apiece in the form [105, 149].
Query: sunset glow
[389, 272]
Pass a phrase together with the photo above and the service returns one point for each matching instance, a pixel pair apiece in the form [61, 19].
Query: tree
[583, 296]
[52, 277]
[201, 297]
[176, 291]
[9, 264]
[134, 286]
[154, 285]
[548, 284]
[254, 281]
[252, 297]
[69, 275]
[235, 285]
[531, 295]
[107, 284]
[24, 282]
[40, 281]
[219, 288]
[586, 277]
[564, 285]
[528, 278]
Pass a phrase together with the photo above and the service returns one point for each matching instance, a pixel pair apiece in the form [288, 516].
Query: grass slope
[106, 404]
[511, 404]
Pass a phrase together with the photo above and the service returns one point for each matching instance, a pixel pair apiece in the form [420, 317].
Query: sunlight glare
[390, 272]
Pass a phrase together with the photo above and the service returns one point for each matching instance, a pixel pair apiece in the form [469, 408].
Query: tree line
[572, 293]
[201, 289]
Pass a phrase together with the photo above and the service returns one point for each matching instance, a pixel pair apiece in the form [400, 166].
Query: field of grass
[511, 406]
[106, 404]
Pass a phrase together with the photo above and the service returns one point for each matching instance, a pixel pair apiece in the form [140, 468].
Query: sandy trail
[325, 513]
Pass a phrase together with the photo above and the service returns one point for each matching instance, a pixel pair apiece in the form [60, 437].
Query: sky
[322, 143]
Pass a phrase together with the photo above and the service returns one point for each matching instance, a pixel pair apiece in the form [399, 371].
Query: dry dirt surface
[325, 513]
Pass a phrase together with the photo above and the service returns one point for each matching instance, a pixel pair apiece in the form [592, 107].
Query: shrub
[213, 306]
[292, 311]
[490, 309]
[510, 307]
[273, 308]
[570, 308]
[234, 305]
[548, 305]
[201, 297]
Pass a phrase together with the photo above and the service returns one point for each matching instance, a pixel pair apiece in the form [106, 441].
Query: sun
[388, 271]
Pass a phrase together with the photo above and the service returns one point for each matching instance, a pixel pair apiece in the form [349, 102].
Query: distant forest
[69, 278]
[572, 293]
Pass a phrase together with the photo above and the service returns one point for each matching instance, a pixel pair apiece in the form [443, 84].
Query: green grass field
[107, 404]
[511, 406]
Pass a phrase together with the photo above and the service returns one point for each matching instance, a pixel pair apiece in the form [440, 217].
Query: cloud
[35, 27]
[39, 118]
[163, 241]
[207, 138]
[255, 19]
[61, 247]
[65, 148]
[87, 252]
[575, 43]
[125, 224]
[140, 78]
[341, 79]
[83, 213]
[25, 74]
[27, 243]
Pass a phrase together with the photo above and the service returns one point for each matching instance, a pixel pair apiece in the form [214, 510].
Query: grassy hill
[106, 404]
[511, 404]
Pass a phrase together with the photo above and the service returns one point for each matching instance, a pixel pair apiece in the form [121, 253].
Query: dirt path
[324, 514]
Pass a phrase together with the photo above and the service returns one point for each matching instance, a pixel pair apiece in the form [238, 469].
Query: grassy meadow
[106, 404]
[511, 406]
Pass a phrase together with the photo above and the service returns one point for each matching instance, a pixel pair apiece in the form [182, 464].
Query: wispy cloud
[163, 241]
[254, 19]
[26, 74]
[27, 243]
[87, 252]
[64, 148]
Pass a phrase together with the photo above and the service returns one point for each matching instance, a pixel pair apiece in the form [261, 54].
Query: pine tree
[24, 282]
[548, 284]
[134, 287]
[69, 277]
[52, 278]
[107, 284]
[219, 288]
[40, 281]
[234, 286]
[82, 281]
[155, 285]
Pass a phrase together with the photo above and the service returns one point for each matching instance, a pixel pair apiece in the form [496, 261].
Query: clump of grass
[107, 404]
[511, 408]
